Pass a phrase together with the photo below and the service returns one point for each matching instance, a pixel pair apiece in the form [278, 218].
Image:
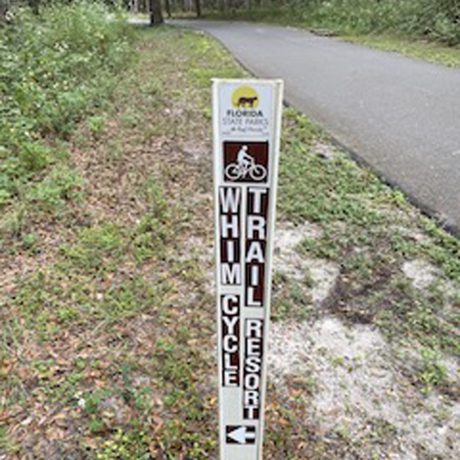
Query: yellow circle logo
[245, 97]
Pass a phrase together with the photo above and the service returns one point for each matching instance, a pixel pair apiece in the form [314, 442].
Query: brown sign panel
[230, 314]
[256, 245]
[230, 199]
[246, 162]
[252, 368]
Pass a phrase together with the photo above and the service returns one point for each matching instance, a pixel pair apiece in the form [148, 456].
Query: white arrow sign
[241, 434]
[247, 121]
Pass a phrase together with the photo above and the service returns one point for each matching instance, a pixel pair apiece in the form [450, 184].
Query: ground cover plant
[107, 347]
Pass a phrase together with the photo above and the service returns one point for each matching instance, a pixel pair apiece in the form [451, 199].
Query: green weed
[51, 194]
[96, 125]
[6, 445]
[97, 248]
[131, 444]
[133, 296]
[432, 373]
[155, 228]
[290, 301]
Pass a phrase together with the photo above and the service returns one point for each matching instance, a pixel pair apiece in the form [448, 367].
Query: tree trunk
[198, 7]
[3, 9]
[35, 6]
[156, 16]
[168, 8]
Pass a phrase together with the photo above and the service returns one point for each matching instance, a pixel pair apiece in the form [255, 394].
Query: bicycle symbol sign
[245, 162]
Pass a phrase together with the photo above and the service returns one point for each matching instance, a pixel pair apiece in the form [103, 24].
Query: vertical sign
[246, 123]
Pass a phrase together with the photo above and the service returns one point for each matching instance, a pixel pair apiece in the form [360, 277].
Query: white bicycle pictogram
[244, 166]
[235, 171]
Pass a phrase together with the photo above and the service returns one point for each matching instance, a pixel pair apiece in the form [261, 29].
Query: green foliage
[433, 372]
[152, 232]
[95, 248]
[126, 300]
[96, 125]
[424, 18]
[54, 68]
[125, 445]
[50, 194]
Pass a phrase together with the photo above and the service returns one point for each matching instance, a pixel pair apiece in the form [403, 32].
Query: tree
[156, 16]
[3, 9]
[168, 8]
[35, 6]
[198, 7]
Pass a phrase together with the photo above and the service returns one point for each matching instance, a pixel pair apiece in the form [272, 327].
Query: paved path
[401, 116]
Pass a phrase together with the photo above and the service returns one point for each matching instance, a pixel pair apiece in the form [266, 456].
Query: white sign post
[247, 124]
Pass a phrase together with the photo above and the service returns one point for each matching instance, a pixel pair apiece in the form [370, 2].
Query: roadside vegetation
[107, 345]
[55, 68]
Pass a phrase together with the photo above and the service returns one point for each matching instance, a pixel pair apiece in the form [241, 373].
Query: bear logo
[245, 97]
[247, 101]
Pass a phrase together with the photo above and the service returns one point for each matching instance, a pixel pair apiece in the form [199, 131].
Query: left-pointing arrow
[241, 434]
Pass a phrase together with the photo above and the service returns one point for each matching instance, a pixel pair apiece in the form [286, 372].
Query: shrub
[54, 68]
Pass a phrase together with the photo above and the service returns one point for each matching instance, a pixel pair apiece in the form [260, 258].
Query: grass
[107, 348]
[290, 301]
[424, 50]
[432, 373]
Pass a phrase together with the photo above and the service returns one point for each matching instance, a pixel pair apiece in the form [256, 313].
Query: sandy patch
[288, 236]
[290, 263]
[421, 273]
[360, 389]
[324, 150]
